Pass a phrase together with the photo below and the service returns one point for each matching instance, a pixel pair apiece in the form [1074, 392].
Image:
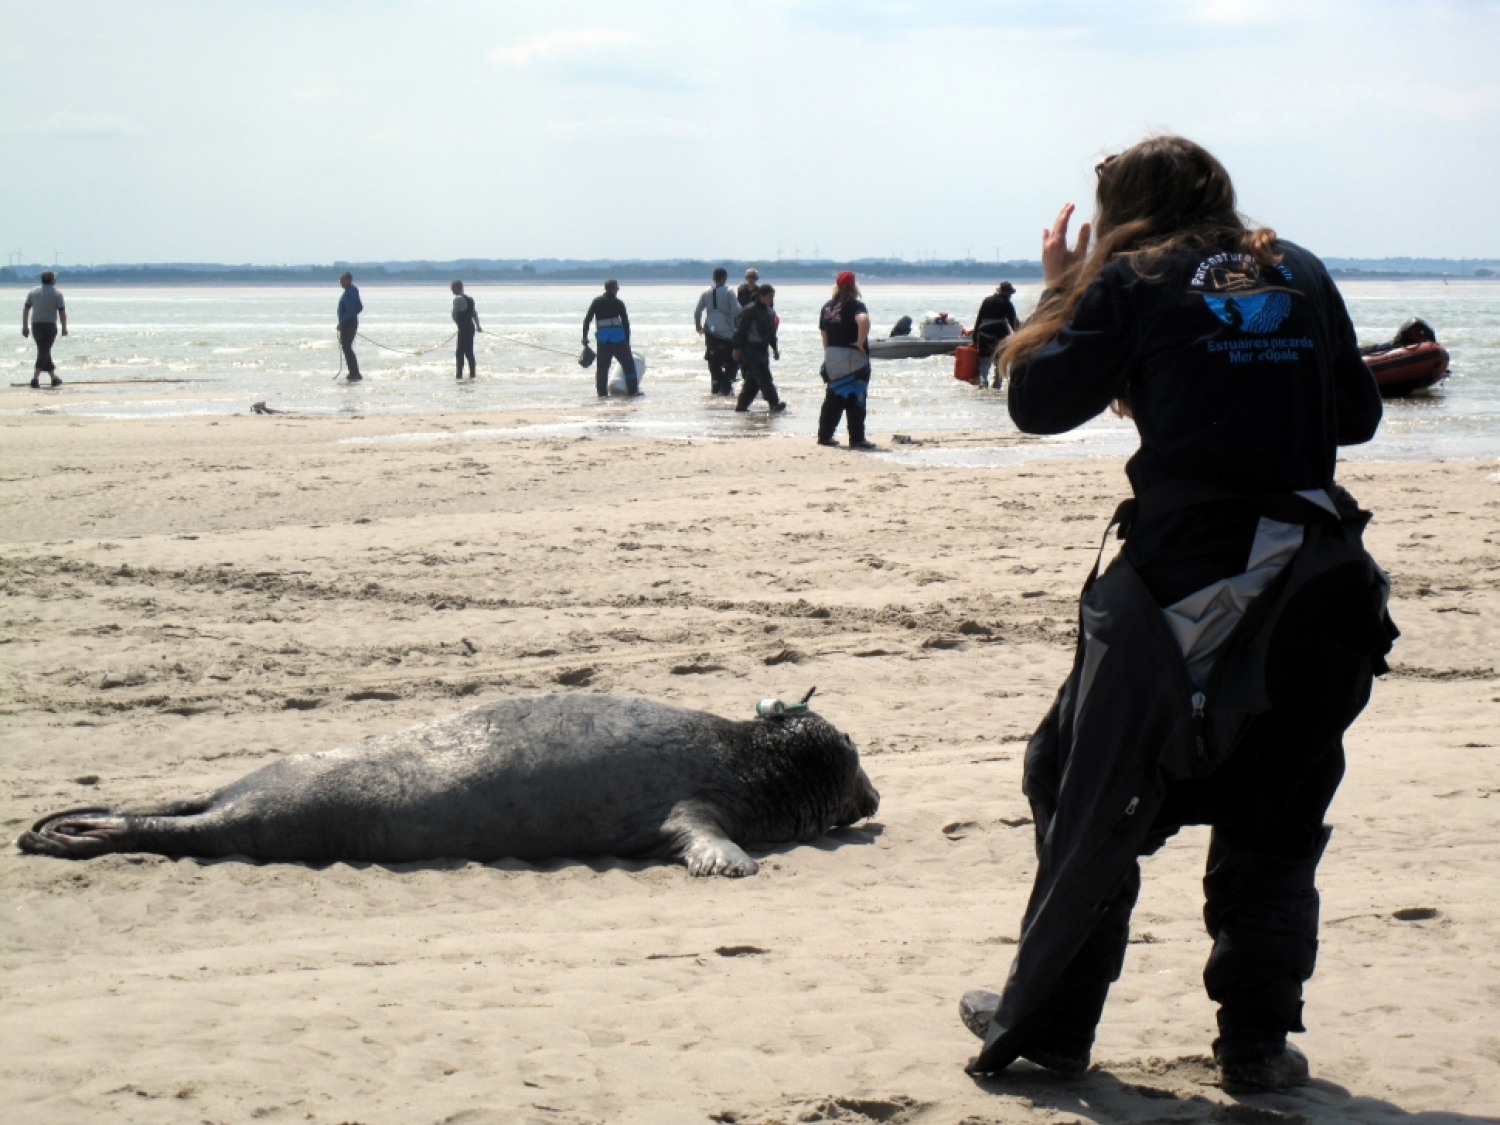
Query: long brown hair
[1158, 195]
[845, 293]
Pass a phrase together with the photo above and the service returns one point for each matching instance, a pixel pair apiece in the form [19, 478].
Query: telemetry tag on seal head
[770, 708]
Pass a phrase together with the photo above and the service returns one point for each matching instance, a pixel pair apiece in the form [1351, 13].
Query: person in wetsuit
[1232, 351]
[714, 319]
[43, 312]
[466, 316]
[995, 321]
[845, 326]
[754, 344]
[612, 335]
[350, 306]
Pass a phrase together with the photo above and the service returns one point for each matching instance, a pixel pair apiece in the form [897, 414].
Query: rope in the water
[435, 347]
[538, 347]
[388, 348]
[399, 351]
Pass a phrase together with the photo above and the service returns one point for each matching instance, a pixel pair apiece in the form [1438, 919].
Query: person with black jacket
[1225, 650]
[845, 327]
[466, 316]
[754, 344]
[612, 335]
[995, 321]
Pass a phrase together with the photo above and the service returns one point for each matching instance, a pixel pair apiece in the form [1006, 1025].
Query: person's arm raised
[1057, 260]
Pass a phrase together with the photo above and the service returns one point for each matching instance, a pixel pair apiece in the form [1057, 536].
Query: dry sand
[186, 599]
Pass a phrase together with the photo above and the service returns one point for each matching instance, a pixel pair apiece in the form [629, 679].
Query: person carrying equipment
[1225, 650]
[995, 321]
[754, 344]
[714, 319]
[612, 335]
[350, 306]
[845, 325]
[40, 316]
[466, 316]
[749, 291]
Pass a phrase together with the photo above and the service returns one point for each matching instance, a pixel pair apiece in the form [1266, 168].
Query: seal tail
[88, 832]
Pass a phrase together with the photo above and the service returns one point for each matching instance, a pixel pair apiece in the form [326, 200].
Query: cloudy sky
[313, 130]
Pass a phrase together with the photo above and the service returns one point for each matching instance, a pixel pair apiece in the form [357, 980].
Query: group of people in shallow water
[739, 330]
[1226, 649]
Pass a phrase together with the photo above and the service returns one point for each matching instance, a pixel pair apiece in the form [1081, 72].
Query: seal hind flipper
[701, 842]
[75, 834]
[85, 833]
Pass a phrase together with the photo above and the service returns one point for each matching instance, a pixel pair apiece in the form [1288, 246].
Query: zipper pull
[1135, 803]
[1200, 702]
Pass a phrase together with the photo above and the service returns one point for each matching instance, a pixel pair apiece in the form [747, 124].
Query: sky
[262, 131]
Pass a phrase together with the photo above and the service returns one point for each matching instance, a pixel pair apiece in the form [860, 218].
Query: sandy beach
[188, 598]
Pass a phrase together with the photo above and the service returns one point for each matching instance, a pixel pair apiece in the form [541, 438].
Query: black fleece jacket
[1242, 376]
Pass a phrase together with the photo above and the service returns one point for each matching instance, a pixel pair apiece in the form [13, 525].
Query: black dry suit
[1223, 652]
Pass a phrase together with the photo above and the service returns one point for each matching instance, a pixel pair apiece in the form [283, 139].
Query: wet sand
[187, 599]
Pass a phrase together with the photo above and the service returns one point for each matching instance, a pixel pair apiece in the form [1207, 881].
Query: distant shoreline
[572, 271]
[250, 280]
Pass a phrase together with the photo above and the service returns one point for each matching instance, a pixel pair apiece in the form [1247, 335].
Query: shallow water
[236, 346]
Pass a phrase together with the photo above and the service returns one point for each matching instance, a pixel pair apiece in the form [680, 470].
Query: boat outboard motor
[1414, 331]
[903, 327]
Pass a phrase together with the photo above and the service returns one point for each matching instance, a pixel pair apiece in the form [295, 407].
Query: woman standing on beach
[845, 324]
[1225, 651]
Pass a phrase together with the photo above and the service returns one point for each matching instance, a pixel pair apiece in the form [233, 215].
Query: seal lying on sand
[529, 778]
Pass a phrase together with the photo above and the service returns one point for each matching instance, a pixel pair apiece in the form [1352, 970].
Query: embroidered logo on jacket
[1236, 291]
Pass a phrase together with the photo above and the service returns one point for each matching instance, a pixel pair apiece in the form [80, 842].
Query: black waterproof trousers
[45, 336]
[722, 366]
[1132, 750]
[612, 351]
[1266, 805]
[465, 351]
[755, 365]
[347, 330]
[836, 407]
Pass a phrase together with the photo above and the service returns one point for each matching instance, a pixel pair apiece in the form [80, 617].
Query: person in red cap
[845, 324]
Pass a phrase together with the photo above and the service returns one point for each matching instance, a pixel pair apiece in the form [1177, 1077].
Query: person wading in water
[845, 325]
[754, 344]
[466, 316]
[1225, 650]
[714, 319]
[350, 306]
[995, 321]
[612, 334]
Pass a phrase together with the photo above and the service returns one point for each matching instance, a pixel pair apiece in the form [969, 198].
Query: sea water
[232, 347]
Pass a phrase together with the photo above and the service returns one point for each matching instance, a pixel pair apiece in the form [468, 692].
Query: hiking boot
[36, 382]
[1260, 1069]
[56, 382]
[828, 441]
[354, 378]
[863, 445]
[778, 408]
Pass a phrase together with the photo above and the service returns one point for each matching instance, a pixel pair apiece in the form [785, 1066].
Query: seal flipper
[699, 840]
[86, 833]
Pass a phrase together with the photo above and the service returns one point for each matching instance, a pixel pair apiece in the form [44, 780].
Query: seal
[529, 778]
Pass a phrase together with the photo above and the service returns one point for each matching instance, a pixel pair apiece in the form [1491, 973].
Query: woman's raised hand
[1057, 259]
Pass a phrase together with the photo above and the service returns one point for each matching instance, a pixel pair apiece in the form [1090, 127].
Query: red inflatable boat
[1413, 361]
